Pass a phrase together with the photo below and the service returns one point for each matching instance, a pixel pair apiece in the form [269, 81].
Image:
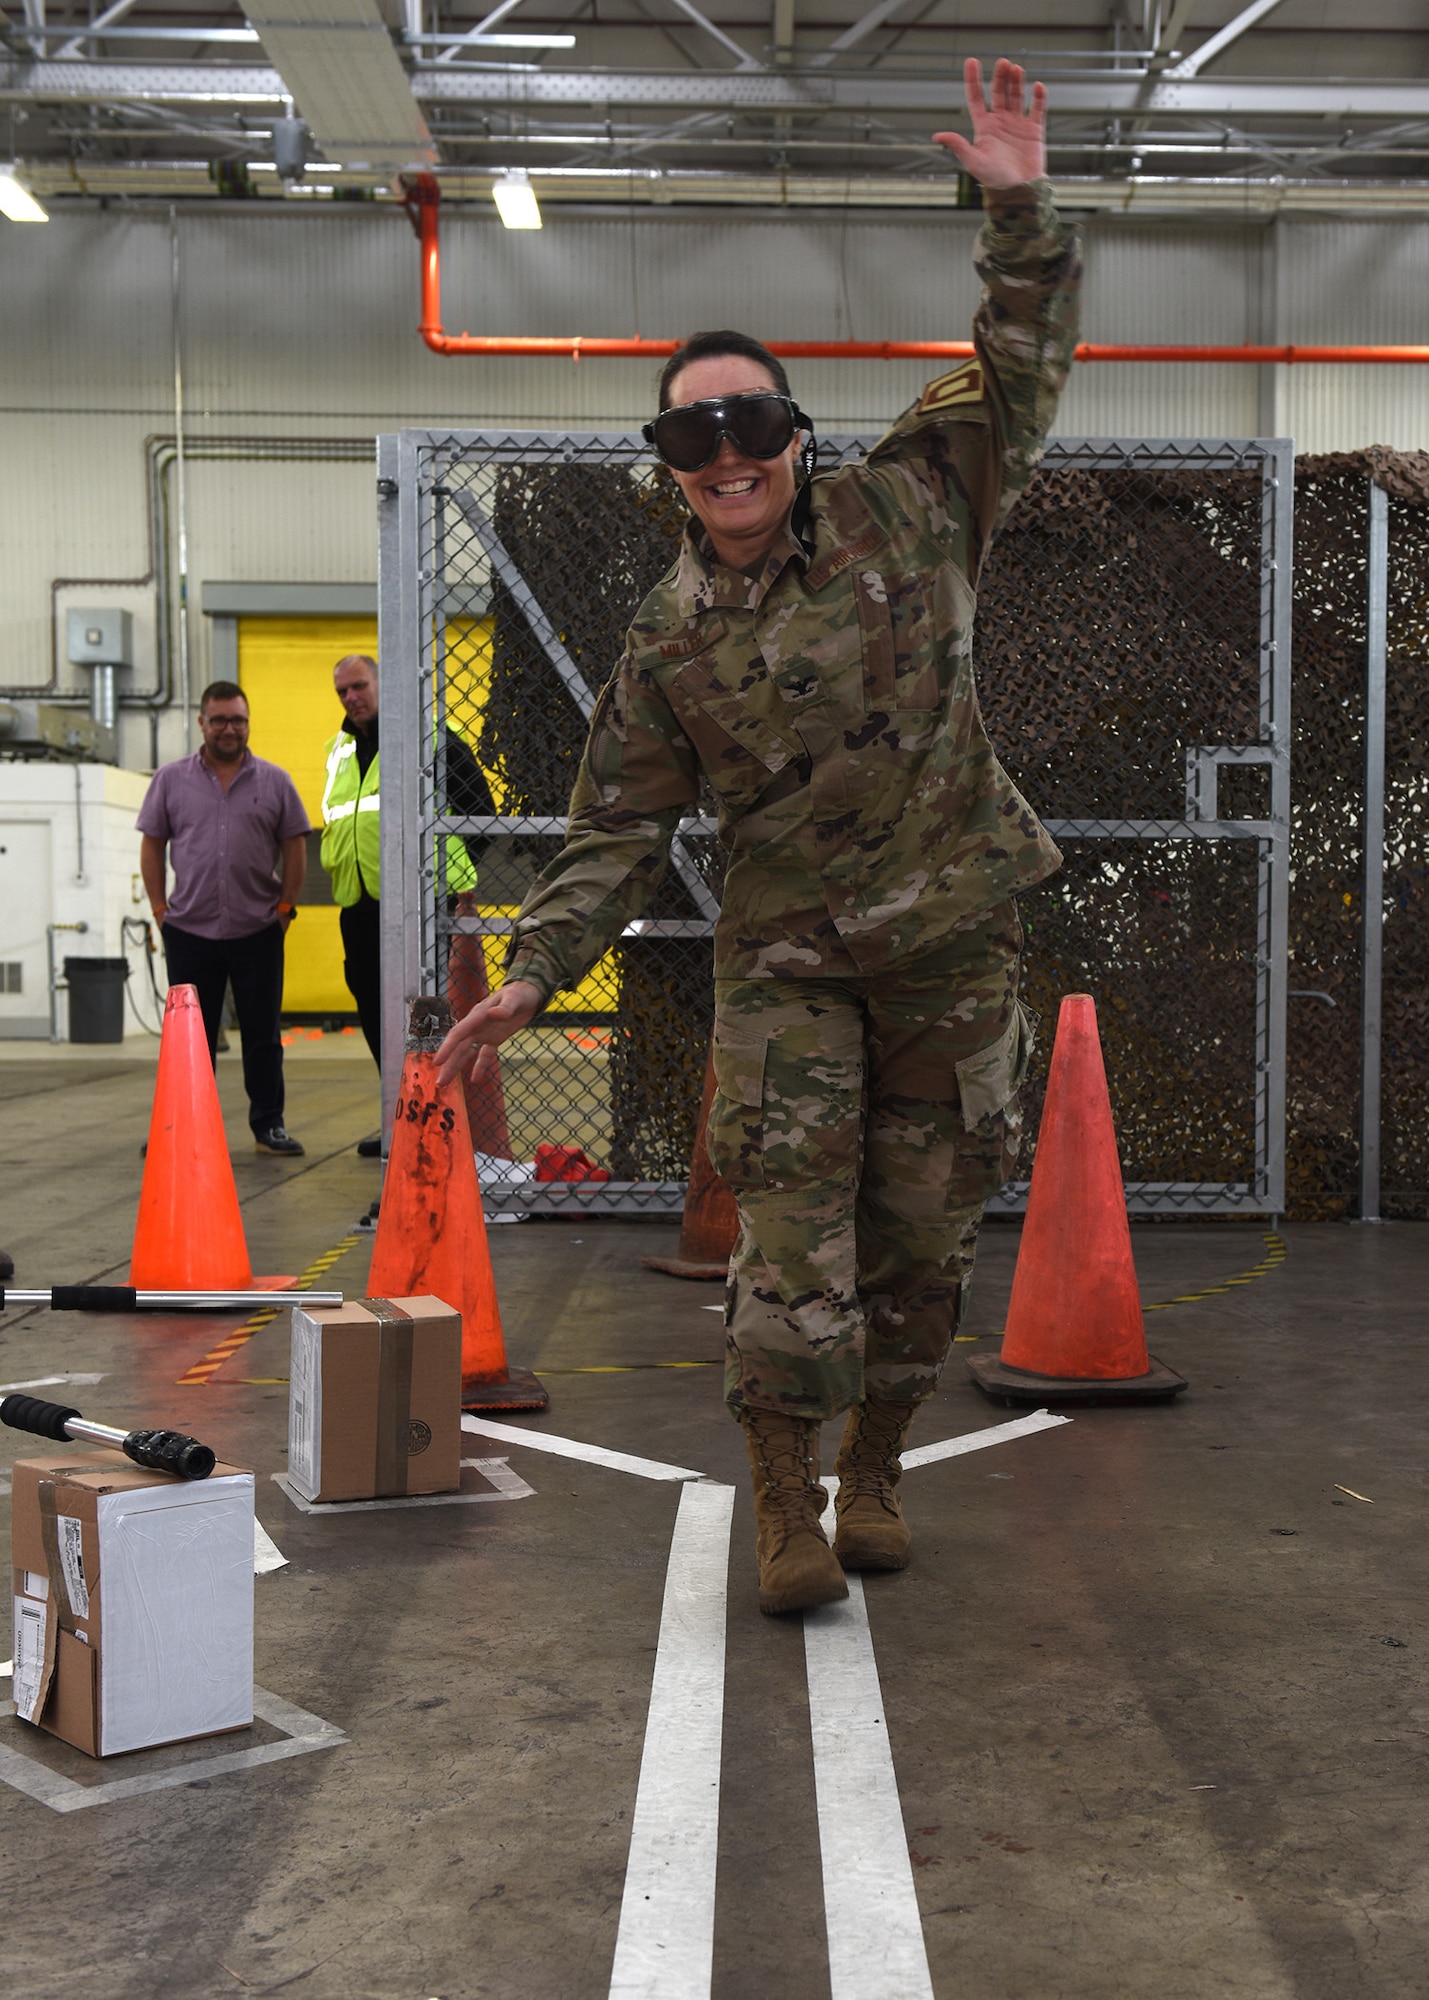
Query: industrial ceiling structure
[1189, 106]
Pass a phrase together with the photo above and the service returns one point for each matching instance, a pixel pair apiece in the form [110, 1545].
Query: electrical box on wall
[99, 636]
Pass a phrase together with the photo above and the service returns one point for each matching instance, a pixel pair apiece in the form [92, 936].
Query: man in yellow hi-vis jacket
[352, 839]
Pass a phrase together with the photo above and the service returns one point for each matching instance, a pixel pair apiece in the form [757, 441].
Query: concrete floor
[1155, 1688]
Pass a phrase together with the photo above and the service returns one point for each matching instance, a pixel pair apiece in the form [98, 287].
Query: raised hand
[1009, 144]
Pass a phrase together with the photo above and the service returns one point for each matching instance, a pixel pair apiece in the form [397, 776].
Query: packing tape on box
[64, 1566]
[394, 1396]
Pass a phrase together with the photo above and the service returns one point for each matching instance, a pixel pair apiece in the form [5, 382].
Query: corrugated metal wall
[302, 323]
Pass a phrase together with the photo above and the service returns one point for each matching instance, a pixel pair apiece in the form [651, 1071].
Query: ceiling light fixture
[18, 203]
[515, 199]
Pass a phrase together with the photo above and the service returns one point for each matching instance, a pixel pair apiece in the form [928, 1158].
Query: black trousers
[361, 926]
[255, 966]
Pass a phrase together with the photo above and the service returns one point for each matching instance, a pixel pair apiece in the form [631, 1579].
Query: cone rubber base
[518, 1390]
[1019, 1385]
[685, 1267]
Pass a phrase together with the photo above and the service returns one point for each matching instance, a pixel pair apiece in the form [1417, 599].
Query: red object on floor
[1076, 1305]
[189, 1233]
[711, 1220]
[431, 1232]
[1075, 1330]
[567, 1163]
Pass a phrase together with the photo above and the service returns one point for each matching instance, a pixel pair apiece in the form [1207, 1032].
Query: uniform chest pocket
[736, 720]
[899, 655]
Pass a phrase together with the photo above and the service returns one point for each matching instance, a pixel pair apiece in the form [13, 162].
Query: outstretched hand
[1009, 142]
[490, 1022]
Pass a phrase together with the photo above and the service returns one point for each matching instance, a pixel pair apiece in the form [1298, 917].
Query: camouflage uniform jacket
[829, 701]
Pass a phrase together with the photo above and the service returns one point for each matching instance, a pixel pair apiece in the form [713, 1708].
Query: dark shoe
[275, 1140]
[872, 1533]
[7, 1265]
[797, 1568]
[370, 1148]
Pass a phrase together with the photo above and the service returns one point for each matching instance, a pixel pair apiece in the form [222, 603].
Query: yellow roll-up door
[285, 669]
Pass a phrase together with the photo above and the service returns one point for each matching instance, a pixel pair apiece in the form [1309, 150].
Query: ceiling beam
[1108, 95]
[743, 59]
[1222, 39]
[851, 37]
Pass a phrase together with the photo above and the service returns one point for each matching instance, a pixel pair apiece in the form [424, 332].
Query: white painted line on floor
[509, 1485]
[501, 1484]
[301, 1733]
[876, 1949]
[267, 1556]
[48, 1381]
[664, 1949]
[929, 1454]
[593, 1454]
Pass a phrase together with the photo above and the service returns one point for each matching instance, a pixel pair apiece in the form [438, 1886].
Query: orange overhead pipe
[422, 199]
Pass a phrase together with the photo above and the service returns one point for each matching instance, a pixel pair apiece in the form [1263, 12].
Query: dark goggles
[761, 425]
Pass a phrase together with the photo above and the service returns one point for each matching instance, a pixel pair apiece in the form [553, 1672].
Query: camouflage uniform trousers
[863, 1124]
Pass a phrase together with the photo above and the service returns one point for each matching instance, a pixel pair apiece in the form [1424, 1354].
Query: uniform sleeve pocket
[989, 1080]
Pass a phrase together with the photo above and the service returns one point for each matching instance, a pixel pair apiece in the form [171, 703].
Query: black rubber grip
[29, 1413]
[93, 1299]
[170, 1451]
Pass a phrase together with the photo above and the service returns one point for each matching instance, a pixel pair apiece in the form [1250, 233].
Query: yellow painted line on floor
[203, 1372]
[1279, 1250]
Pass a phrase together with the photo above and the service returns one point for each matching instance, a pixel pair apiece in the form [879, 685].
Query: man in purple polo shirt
[237, 835]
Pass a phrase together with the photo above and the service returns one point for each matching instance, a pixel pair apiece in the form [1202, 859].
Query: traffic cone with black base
[189, 1233]
[711, 1220]
[431, 1232]
[1075, 1332]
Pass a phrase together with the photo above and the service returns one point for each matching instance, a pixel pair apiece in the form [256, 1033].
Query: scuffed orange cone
[189, 1235]
[711, 1220]
[1075, 1332]
[431, 1233]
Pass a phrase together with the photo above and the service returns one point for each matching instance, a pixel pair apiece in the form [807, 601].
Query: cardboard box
[374, 1402]
[133, 1600]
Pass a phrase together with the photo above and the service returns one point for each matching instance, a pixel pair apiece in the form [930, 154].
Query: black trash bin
[96, 998]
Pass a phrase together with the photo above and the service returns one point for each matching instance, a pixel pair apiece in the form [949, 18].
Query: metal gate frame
[411, 593]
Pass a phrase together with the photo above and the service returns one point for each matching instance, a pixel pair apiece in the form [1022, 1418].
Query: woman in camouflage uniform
[809, 655]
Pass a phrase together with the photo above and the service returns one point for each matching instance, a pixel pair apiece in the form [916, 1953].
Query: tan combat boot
[797, 1568]
[872, 1533]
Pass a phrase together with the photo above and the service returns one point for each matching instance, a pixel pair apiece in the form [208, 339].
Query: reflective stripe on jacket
[352, 839]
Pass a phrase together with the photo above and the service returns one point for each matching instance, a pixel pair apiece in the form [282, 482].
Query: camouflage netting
[1119, 624]
[1326, 909]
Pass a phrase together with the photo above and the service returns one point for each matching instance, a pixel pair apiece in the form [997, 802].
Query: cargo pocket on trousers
[735, 1134]
[988, 1087]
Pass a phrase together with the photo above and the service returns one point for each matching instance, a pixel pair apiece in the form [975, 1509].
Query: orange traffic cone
[711, 1221]
[189, 1236]
[1074, 1331]
[431, 1233]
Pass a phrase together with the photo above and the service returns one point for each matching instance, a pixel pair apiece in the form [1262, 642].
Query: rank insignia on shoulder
[962, 384]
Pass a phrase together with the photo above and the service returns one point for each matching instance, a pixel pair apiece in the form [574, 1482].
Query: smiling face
[744, 502]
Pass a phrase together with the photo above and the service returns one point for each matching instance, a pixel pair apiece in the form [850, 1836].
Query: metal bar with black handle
[125, 1299]
[159, 1451]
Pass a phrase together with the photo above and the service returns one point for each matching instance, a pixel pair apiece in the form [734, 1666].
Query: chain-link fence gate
[1133, 660]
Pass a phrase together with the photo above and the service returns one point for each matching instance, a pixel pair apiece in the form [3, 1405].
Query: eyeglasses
[761, 425]
[221, 722]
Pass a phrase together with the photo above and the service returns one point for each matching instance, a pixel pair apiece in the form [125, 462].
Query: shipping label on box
[133, 1601]
[374, 1402]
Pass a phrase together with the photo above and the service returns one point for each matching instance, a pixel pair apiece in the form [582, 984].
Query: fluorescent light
[517, 42]
[20, 205]
[515, 200]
